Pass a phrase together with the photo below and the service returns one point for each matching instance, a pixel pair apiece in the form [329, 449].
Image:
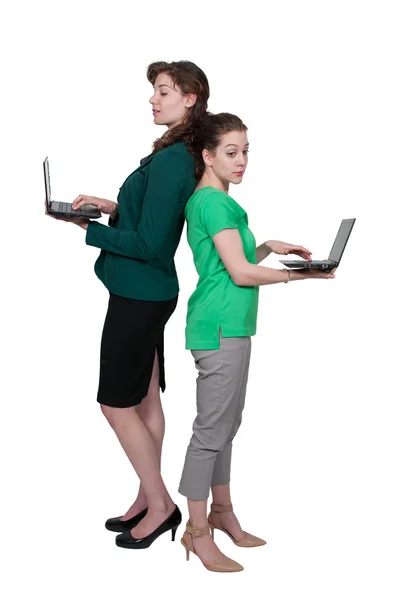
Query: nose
[153, 99]
[242, 160]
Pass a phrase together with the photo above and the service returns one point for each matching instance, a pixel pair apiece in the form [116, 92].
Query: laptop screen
[47, 185]
[341, 240]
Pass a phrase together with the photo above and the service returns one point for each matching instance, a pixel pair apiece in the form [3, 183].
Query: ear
[207, 158]
[190, 100]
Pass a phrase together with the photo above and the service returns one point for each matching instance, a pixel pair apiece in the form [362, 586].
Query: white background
[315, 461]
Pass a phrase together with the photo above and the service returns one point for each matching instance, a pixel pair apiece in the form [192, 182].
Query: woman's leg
[219, 383]
[220, 486]
[151, 414]
[143, 453]
[222, 495]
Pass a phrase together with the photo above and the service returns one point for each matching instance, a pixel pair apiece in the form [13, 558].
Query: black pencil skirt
[133, 331]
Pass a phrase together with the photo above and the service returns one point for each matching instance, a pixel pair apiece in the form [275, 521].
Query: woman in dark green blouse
[136, 264]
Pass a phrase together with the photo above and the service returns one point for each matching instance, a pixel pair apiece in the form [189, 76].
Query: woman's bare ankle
[138, 506]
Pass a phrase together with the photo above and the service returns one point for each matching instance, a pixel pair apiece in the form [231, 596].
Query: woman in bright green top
[221, 319]
[136, 264]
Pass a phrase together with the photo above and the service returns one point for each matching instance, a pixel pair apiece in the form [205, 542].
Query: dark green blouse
[138, 247]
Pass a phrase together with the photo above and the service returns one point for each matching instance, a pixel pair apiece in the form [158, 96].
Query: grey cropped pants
[220, 397]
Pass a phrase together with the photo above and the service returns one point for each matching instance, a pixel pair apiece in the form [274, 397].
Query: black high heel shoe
[116, 525]
[126, 540]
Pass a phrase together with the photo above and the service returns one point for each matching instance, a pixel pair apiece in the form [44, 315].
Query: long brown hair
[191, 80]
[209, 132]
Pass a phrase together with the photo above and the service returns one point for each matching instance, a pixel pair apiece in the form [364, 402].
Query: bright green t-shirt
[217, 301]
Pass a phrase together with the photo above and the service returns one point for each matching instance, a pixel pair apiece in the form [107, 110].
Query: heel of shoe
[173, 533]
[186, 549]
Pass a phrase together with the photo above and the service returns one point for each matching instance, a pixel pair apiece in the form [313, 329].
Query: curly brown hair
[191, 80]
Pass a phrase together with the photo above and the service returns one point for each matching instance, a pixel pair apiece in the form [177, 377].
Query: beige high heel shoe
[247, 541]
[226, 565]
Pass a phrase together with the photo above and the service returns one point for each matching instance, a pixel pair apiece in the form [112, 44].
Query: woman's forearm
[253, 275]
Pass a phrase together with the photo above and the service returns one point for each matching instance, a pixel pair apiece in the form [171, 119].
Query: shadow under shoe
[248, 540]
[225, 565]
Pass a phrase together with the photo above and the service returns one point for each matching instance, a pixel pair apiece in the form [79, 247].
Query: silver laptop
[335, 254]
[64, 209]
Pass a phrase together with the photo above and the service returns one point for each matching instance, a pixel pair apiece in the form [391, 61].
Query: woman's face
[229, 161]
[169, 105]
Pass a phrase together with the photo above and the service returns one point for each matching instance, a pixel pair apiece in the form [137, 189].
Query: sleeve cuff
[221, 227]
[90, 233]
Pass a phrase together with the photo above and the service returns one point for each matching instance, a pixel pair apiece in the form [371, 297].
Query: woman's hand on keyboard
[107, 207]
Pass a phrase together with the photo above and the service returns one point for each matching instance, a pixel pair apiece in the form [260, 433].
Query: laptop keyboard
[66, 207]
